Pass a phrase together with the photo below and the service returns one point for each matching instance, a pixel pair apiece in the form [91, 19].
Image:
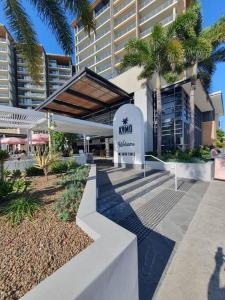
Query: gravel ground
[34, 250]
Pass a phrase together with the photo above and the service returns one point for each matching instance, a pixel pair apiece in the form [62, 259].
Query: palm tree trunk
[159, 115]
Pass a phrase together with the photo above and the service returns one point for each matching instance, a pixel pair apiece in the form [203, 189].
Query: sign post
[128, 136]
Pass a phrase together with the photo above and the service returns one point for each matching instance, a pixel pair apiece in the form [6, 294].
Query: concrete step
[124, 197]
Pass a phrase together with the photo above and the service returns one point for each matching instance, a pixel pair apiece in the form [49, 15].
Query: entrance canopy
[85, 93]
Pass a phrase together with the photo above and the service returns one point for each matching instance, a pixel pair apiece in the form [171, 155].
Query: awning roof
[28, 119]
[85, 93]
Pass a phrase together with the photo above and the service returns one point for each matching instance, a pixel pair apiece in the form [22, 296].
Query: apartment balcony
[31, 87]
[4, 86]
[145, 32]
[102, 32]
[57, 79]
[105, 55]
[118, 34]
[4, 95]
[125, 17]
[121, 7]
[3, 40]
[145, 3]
[156, 11]
[3, 49]
[4, 68]
[4, 76]
[3, 58]
[103, 45]
[33, 95]
[103, 68]
[103, 10]
[83, 46]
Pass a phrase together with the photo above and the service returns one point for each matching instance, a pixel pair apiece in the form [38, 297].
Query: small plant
[20, 208]
[20, 185]
[6, 187]
[60, 166]
[6, 173]
[33, 171]
[4, 155]
[45, 160]
[67, 205]
[16, 173]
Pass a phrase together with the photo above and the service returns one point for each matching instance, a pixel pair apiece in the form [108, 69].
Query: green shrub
[60, 166]
[6, 187]
[20, 208]
[72, 164]
[6, 173]
[16, 173]
[20, 185]
[33, 171]
[67, 205]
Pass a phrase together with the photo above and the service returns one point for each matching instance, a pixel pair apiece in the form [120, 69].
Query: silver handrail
[166, 163]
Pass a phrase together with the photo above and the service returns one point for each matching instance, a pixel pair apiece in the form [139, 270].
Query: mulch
[35, 249]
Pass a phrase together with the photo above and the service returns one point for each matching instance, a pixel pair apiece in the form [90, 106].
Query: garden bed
[34, 249]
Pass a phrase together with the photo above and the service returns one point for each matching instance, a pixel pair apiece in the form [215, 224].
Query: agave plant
[45, 160]
[3, 156]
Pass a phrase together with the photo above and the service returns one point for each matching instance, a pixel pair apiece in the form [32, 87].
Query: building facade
[16, 85]
[117, 21]
[7, 68]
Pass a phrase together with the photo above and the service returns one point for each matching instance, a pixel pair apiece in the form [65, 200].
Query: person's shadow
[215, 292]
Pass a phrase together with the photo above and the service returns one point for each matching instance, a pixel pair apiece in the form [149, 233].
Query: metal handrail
[166, 163]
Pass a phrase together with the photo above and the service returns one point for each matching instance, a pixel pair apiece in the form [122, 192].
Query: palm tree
[203, 51]
[53, 13]
[161, 55]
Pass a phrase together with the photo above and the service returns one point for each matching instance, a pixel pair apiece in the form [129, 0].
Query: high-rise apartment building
[117, 21]
[59, 70]
[7, 68]
[30, 94]
[16, 85]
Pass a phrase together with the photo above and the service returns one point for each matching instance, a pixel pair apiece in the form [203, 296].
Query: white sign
[128, 136]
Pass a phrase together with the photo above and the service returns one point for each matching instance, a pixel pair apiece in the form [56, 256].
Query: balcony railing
[3, 58]
[103, 68]
[103, 32]
[3, 40]
[102, 9]
[143, 3]
[3, 85]
[155, 11]
[106, 43]
[125, 17]
[3, 49]
[121, 45]
[149, 29]
[3, 67]
[121, 6]
[104, 55]
[125, 30]
[4, 95]
[102, 21]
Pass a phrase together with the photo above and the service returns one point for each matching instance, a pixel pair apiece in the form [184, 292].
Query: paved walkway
[198, 268]
[150, 208]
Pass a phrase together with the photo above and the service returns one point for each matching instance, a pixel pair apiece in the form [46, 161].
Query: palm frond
[82, 9]
[52, 13]
[216, 32]
[21, 26]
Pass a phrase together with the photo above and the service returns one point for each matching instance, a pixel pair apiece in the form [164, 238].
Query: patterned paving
[148, 216]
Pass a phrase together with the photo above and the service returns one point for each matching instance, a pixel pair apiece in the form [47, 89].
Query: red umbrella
[40, 137]
[12, 141]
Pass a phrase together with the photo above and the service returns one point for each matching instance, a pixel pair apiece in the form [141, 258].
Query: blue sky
[212, 10]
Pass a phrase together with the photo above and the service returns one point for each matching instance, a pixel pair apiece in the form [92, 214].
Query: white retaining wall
[106, 270]
[198, 171]
[25, 163]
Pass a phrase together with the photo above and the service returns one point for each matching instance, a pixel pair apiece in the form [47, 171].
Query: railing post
[144, 167]
[175, 171]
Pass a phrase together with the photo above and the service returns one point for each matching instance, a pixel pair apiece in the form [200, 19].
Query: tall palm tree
[203, 50]
[53, 13]
[161, 54]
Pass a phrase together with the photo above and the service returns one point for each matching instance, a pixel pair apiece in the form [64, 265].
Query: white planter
[197, 171]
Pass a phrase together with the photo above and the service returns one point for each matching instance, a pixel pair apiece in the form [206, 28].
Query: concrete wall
[106, 270]
[198, 171]
[25, 163]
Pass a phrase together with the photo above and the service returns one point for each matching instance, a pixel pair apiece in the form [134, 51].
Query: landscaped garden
[38, 233]
[198, 155]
